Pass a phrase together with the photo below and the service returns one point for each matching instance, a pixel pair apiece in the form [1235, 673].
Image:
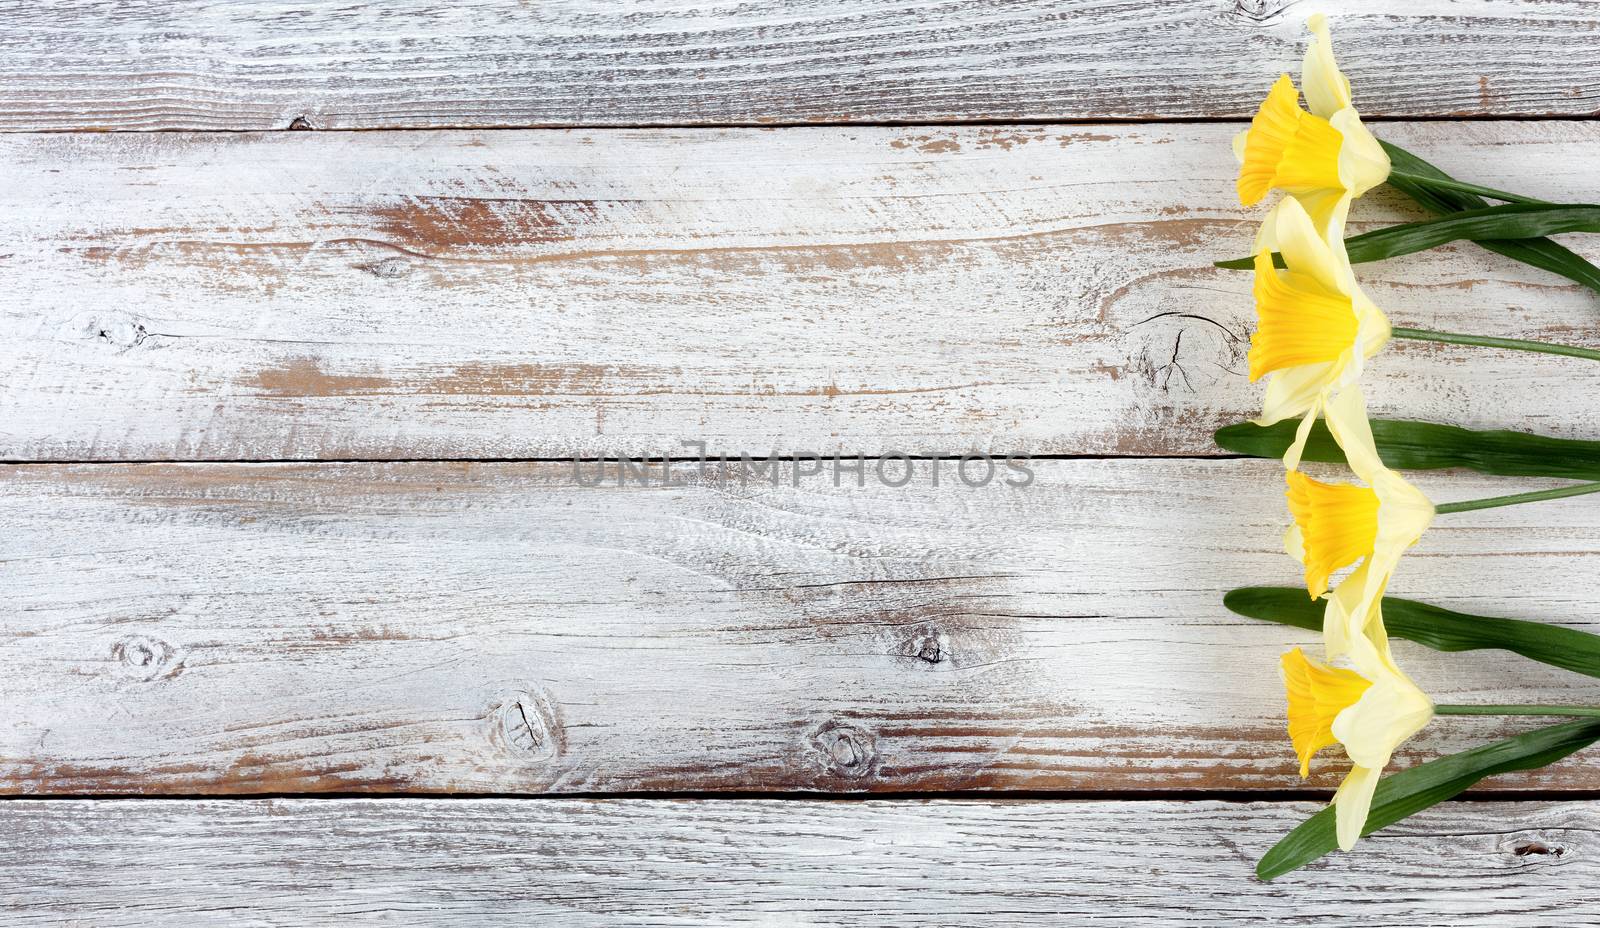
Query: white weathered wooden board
[194, 64]
[496, 628]
[545, 294]
[753, 862]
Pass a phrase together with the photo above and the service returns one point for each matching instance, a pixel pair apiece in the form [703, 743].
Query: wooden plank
[191, 64]
[652, 862]
[497, 628]
[546, 294]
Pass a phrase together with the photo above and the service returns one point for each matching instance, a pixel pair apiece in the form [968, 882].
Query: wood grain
[498, 628]
[548, 294]
[660, 863]
[193, 64]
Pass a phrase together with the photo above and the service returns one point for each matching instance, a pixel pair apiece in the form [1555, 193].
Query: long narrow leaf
[1406, 445]
[1433, 627]
[1410, 791]
[1509, 221]
[1538, 252]
[1437, 199]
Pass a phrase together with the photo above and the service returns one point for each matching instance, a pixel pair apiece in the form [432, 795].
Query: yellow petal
[1287, 147]
[1299, 322]
[1327, 89]
[1338, 525]
[1352, 803]
[1317, 694]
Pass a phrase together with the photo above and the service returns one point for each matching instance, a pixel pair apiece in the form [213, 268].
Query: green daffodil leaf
[1521, 238]
[1408, 445]
[1433, 627]
[1538, 252]
[1507, 221]
[1410, 791]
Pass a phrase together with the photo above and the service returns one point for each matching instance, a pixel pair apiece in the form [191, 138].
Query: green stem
[1489, 341]
[1589, 711]
[1536, 496]
[1439, 183]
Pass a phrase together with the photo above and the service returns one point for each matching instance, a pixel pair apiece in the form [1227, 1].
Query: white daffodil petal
[1372, 325]
[1347, 422]
[1297, 447]
[1345, 616]
[1363, 164]
[1352, 803]
[1304, 251]
[1326, 88]
[1294, 391]
[1390, 711]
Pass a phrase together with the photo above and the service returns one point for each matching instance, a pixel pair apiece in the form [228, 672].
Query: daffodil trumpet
[1337, 525]
[1316, 327]
[1324, 157]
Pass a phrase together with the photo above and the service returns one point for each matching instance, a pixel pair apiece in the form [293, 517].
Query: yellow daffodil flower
[1337, 525]
[1315, 325]
[1324, 157]
[1371, 709]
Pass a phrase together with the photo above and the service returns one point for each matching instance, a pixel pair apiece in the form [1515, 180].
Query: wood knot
[526, 725]
[142, 658]
[927, 645]
[1177, 352]
[843, 749]
[119, 330]
[387, 268]
[301, 124]
[1537, 849]
[1260, 12]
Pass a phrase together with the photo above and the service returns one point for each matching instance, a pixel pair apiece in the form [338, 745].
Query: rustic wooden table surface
[307, 621]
